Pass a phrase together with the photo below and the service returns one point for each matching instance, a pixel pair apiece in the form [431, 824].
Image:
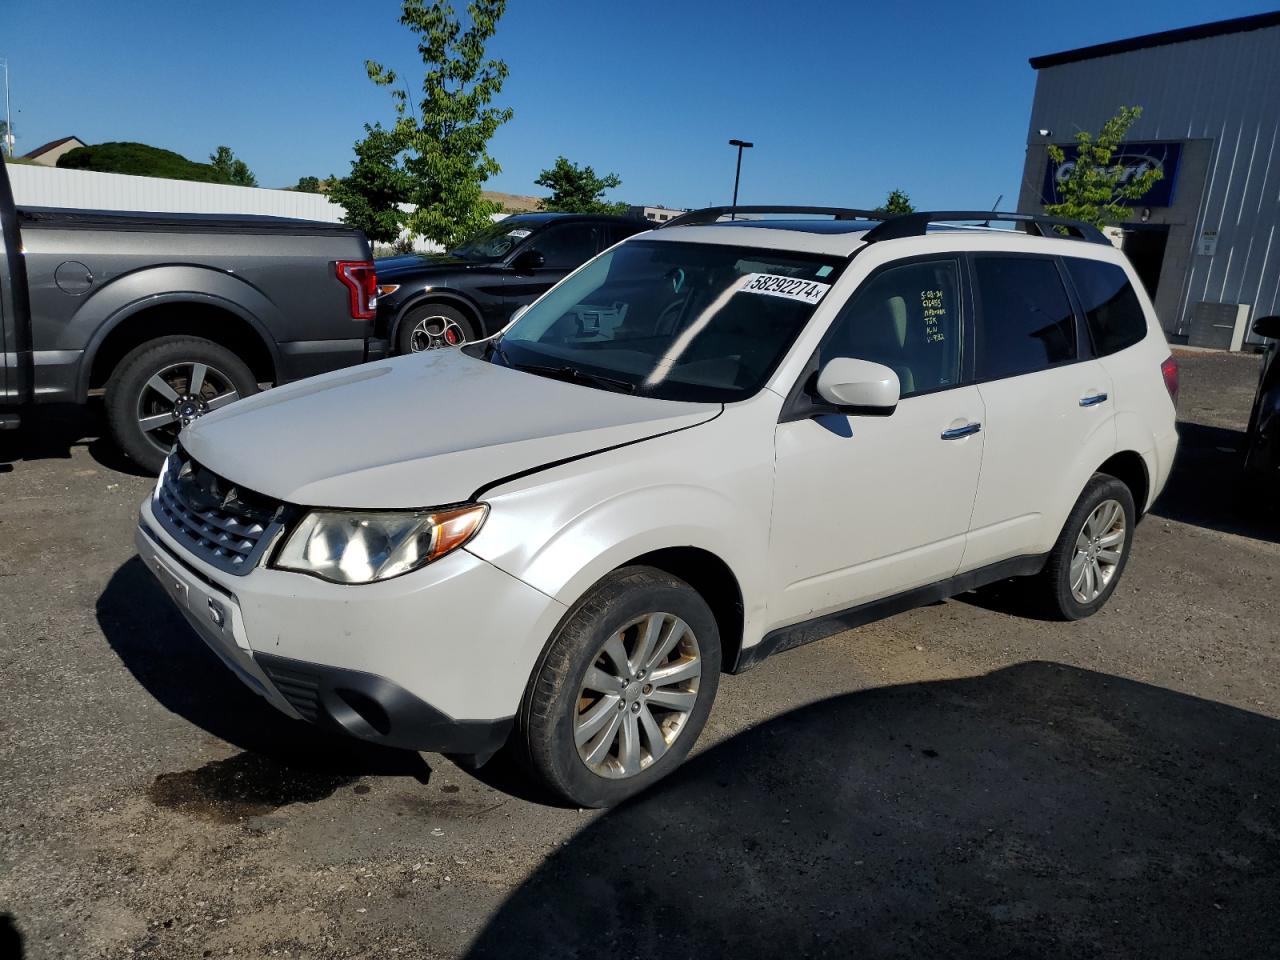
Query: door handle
[956, 433]
[1093, 399]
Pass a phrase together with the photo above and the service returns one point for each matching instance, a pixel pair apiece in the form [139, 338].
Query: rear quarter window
[1111, 306]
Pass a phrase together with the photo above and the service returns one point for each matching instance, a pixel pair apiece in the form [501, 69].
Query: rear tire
[433, 327]
[595, 747]
[1090, 555]
[149, 396]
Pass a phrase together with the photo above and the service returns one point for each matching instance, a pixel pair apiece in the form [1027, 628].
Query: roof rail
[712, 214]
[917, 224]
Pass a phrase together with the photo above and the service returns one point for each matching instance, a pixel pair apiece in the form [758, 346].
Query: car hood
[418, 431]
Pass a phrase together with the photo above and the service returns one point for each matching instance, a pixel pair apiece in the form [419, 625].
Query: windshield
[678, 321]
[494, 241]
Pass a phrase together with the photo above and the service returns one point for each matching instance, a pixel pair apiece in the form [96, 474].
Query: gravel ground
[957, 781]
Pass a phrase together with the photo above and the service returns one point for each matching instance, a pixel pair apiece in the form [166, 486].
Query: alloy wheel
[1098, 550]
[178, 394]
[637, 695]
[436, 333]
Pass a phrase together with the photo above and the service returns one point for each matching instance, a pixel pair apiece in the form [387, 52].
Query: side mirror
[528, 261]
[1268, 327]
[859, 386]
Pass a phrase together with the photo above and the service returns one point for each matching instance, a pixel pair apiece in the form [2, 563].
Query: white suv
[711, 443]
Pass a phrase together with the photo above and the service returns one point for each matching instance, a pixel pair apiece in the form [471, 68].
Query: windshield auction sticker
[806, 291]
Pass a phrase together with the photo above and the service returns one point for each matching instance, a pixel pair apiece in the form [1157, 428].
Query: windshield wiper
[571, 375]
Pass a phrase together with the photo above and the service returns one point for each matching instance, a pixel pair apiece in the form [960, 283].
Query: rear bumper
[306, 358]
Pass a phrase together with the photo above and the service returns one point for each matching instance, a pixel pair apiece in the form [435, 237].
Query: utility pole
[737, 175]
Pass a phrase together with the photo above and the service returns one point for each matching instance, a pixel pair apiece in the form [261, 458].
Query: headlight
[387, 289]
[348, 547]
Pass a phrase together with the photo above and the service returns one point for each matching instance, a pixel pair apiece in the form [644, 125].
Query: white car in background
[713, 442]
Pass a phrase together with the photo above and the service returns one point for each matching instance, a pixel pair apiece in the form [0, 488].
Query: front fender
[562, 551]
[143, 289]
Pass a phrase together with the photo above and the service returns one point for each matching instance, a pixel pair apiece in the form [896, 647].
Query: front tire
[163, 385]
[624, 688]
[433, 327]
[1091, 552]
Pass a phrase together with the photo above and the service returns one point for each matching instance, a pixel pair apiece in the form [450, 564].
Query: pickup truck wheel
[163, 385]
[623, 690]
[433, 327]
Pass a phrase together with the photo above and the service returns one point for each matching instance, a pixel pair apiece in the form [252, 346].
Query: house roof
[1201, 31]
[51, 145]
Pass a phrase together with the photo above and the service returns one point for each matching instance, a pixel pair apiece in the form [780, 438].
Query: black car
[1262, 452]
[442, 300]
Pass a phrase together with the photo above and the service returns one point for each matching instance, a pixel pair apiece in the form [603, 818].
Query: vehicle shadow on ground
[1206, 487]
[11, 940]
[1040, 810]
[166, 657]
[50, 433]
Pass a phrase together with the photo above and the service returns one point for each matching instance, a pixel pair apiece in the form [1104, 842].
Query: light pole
[8, 120]
[737, 174]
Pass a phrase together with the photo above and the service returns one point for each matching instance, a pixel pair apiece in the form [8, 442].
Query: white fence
[35, 186]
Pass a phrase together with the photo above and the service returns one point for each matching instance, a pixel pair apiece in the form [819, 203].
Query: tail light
[361, 281]
[1169, 370]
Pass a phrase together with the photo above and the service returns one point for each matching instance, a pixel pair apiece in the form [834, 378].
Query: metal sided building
[1204, 238]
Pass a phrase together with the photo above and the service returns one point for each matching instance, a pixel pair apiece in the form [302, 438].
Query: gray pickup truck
[172, 315]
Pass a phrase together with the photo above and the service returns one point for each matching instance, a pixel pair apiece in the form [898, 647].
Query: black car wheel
[433, 327]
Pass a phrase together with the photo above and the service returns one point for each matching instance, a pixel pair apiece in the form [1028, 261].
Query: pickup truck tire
[623, 690]
[433, 326]
[149, 396]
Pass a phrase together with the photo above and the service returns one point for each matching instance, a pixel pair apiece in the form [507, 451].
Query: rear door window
[1025, 321]
[568, 245]
[1111, 306]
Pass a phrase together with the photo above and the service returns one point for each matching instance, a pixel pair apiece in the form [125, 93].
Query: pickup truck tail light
[361, 281]
[1169, 370]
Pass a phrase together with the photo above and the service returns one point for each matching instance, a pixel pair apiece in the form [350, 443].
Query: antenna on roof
[994, 207]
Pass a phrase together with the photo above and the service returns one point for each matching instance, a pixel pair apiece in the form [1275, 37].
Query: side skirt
[819, 628]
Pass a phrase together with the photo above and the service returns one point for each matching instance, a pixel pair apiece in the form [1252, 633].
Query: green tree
[372, 193]
[1094, 186]
[308, 185]
[442, 146]
[232, 169]
[577, 189]
[896, 203]
[138, 159]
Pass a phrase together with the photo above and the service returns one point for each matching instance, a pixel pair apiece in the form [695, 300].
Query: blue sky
[844, 100]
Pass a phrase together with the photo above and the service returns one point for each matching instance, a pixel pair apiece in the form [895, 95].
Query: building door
[1144, 246]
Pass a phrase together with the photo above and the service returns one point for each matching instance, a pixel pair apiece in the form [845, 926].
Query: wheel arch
[714, 581]
[1129, 467]
[178, 314]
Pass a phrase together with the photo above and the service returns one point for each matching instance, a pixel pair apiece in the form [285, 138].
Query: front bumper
[435, 660]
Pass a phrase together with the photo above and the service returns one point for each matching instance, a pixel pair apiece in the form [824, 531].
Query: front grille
[226, 527]
[299, 687]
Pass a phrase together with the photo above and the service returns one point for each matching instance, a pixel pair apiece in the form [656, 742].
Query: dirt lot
[955, 782]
